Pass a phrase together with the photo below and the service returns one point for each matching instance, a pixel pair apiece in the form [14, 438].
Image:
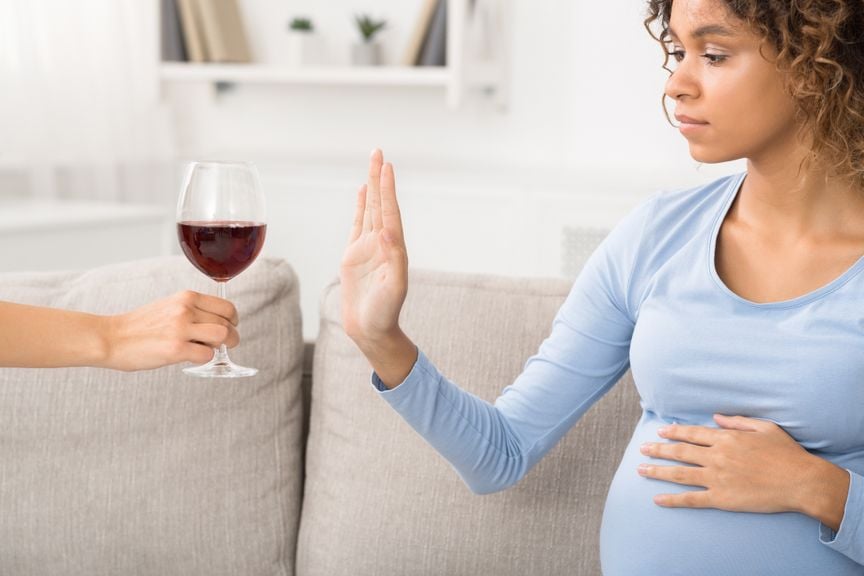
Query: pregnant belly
[639, 537]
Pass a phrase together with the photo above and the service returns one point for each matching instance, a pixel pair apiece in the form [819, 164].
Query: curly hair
[820, 49]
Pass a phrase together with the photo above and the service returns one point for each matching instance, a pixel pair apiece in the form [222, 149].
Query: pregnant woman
[738, 305]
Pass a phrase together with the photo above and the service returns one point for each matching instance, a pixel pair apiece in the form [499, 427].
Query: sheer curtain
[79, 97]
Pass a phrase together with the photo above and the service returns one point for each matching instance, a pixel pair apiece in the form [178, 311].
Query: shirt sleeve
[492, 446]
[849, 538]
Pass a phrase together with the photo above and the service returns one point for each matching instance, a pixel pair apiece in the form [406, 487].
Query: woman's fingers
[677, 451]
[213, 335]
[372, 215]
[212, 321]
[194, 352]
[357, 227]
[390, 215]
[202, 317]
[742, 423]
[213, 305]
[698, 435]
[684, 475]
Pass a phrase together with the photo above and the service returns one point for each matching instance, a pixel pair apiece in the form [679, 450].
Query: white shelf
[463, 72]
[65, 235]
[329, 76]
[30, 216]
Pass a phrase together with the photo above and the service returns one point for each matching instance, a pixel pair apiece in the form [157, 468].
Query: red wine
[221, 250]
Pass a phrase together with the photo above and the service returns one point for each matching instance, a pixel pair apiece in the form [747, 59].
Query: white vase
[303, 49]
[366, 54]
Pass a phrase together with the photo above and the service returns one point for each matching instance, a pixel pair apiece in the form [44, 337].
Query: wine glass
[221, 229]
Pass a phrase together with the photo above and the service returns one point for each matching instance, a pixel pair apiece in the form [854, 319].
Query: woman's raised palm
[374, 269]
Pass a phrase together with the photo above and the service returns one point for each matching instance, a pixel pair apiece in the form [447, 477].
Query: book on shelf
[434, 51]
[191, 29]
[212, 30]
[173, 49]
[224, 35]
[418, 35]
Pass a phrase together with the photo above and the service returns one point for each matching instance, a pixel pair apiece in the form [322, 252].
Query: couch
[300, 470]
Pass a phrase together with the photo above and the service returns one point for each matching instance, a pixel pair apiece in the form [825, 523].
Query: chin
[707, 155]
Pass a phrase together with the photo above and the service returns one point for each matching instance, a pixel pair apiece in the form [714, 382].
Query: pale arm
[823, 491]
[183, 327]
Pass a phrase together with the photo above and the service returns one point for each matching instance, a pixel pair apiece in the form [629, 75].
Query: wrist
[823, 491]
[106, 330]
[391, 355]
[380, 342]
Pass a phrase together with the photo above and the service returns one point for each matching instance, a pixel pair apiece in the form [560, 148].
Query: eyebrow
[707, 30]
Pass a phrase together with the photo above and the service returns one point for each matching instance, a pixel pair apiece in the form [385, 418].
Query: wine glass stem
[221, 353]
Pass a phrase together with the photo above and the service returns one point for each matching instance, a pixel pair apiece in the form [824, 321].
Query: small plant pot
[303, 49]
[366, 54]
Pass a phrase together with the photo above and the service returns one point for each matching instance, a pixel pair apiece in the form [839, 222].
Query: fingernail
[645, 448]
[643, 469]
[662, 431]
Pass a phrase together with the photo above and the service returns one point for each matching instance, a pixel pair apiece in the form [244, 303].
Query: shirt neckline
[732, 192]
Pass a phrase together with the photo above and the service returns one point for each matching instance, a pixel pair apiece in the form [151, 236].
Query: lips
[683, 119]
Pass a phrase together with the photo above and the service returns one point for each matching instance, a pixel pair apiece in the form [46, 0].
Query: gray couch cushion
[380, 501]
[155, 473]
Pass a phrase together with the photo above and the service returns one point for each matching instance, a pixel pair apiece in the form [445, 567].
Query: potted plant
[301, 24]
[304, 46]
[367, 52]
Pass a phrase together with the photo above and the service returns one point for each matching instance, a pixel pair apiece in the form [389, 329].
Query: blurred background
[509, 124]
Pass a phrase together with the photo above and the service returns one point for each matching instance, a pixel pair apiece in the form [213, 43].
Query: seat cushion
[379, 500]
[155, 473]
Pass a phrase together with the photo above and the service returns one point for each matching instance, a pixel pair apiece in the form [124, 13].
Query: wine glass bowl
[221, 229]
[221, 250]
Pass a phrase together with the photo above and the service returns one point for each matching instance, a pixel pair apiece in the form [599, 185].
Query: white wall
[586, 85]
[583, 141]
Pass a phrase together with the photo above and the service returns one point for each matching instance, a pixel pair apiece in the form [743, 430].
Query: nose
[681, 83]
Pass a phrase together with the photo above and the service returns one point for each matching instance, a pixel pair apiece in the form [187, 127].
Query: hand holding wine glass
[221, 229]
[374, 277]
[183, 327]
[180, 328]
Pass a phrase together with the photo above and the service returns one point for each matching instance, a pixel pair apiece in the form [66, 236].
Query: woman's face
[729, 97]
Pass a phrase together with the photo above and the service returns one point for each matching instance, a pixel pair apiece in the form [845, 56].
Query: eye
[677, 55]
[714, 59]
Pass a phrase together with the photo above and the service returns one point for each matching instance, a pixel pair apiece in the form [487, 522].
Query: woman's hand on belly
[748, 465]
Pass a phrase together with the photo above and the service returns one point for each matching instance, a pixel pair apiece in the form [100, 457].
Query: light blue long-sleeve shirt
[650, 299]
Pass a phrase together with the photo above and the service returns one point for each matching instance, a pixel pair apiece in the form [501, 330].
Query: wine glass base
[220, 369]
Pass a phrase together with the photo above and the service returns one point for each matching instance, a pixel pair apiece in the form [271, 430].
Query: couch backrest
[378, 500]
[155, 473]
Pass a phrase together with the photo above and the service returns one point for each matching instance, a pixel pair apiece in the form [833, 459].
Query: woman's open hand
[374, 277]
[374, 269]
[748, 465]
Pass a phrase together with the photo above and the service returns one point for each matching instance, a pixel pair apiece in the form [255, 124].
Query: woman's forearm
[36, 337]
[392, 357]
[823, 492]
[184, 327]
